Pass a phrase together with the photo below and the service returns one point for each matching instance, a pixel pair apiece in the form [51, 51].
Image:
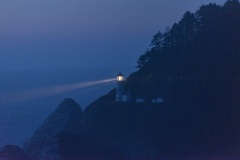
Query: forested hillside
[198, 57]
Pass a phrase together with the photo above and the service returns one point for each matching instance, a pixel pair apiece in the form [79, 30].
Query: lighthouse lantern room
[120, 77]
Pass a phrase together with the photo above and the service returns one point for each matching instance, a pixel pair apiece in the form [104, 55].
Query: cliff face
[127, 128]
[178, 130]
[104, 131]
[65, 119]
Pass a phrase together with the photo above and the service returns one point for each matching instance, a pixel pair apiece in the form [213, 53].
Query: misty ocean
[19, 119]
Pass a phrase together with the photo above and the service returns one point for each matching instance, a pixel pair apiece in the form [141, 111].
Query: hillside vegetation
[197, 58]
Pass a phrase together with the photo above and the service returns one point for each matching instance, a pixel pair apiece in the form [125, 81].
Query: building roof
[120, 74]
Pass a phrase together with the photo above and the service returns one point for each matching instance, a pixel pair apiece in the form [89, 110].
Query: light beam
[21, 96]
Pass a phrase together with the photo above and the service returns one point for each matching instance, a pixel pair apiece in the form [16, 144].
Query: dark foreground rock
[77, 147]
[11, 152]
[183, 129]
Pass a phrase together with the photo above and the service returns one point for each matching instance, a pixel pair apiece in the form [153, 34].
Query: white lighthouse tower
[120, 89]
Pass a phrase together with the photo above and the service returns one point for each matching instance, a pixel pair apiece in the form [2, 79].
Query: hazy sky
[74, 34]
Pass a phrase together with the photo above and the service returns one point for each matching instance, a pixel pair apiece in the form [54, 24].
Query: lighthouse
[120, 89]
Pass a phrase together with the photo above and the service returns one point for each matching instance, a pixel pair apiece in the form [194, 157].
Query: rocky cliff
[61, 137]
[131, 131]
[64, 119]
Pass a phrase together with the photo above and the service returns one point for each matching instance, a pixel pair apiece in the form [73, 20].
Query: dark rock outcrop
[11, 152]
[179, 130]
[133, 131]
[65, 118]
[125, 127]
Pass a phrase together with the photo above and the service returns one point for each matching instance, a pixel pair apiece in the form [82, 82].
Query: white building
[121, 94]
[120, 89]
[158, 99]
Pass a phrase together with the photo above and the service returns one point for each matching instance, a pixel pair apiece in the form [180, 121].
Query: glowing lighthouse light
[120, 77]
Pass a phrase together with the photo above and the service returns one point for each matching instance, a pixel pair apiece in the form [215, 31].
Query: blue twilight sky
[77, 34]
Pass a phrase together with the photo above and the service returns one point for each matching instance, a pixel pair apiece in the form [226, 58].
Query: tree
[157, 41]
[231, 3]
[143, 59]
